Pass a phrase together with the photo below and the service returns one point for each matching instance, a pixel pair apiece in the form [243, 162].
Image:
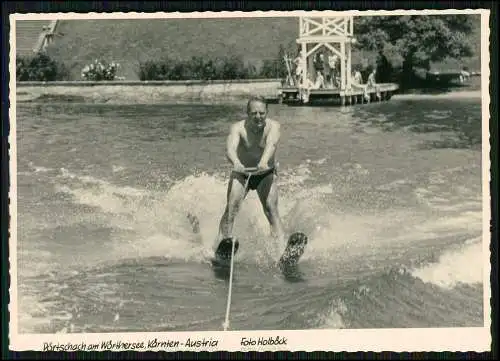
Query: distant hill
[129, 42]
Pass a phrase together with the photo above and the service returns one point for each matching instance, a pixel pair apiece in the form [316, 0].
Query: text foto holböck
[263, 341]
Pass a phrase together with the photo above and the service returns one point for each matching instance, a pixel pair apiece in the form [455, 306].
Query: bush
[198, 68]
[273, 69]
[40, 67]
[100, 70]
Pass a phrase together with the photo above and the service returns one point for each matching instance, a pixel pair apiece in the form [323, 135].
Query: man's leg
[268, 195]
[235, 195]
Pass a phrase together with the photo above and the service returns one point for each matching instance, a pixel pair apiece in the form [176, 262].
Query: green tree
[414, 41]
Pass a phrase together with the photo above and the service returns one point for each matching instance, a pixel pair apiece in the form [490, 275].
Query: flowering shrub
[99, 70]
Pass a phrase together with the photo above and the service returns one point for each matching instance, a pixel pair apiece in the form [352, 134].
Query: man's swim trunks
[255, 180]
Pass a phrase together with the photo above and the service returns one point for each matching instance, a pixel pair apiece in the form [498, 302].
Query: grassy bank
[131, 42]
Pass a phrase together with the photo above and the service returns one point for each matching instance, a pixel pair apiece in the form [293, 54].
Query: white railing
[326, 26]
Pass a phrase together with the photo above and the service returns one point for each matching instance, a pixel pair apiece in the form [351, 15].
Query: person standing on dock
[252, 143]
[332, 64]
[371, 84]
[357, 78]
[319, 67]
[300, 66]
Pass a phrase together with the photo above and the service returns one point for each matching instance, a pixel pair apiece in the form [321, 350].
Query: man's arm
[271, 144]
[232, 145]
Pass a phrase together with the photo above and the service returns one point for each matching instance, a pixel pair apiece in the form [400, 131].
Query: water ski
[223, 252]
[294, 250]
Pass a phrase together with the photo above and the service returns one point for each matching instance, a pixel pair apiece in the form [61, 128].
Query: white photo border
[339, 340]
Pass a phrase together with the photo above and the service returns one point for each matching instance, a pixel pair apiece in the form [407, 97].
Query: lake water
[388, 193]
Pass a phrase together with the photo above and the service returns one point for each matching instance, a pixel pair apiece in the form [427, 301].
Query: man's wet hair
[259, 99]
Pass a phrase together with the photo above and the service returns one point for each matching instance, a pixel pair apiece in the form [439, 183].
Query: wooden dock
[324, 56]
[293, 95]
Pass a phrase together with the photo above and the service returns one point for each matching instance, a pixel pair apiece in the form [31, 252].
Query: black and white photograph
[250, 181]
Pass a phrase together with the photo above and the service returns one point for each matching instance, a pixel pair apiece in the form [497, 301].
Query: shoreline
[85, 83]
[183, 91]
[147, 92]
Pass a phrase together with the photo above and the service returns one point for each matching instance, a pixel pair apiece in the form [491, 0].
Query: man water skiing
[252, 143]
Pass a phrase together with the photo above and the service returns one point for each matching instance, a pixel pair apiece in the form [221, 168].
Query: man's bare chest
[253, 141]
